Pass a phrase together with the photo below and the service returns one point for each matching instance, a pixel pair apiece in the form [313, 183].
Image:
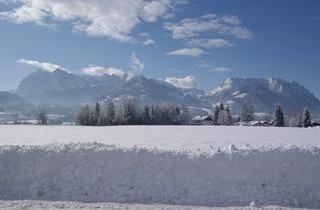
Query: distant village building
[254, 123]
[316, 124]
[202, 120]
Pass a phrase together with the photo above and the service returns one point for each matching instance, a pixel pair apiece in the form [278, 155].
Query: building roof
[202, 118]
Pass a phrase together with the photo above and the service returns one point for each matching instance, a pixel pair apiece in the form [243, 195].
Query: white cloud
[190, 52]
[147, 39]
[45, 66]
[211, 24]
[154, 9]
[240, 32]
[185, 82]
[232, 19]
[220, 69]
[100, 71]
[136, 64]
[205, 65]
[114, 19]
[210, 43]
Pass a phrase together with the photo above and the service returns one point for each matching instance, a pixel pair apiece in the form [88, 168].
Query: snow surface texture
[162, 137]
[13, 205]
[187, 165]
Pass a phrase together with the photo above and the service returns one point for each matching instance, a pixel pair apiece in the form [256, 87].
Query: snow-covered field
[180, 165]
[162, 137]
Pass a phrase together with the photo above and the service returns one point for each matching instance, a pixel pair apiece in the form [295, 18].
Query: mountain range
[67, 89]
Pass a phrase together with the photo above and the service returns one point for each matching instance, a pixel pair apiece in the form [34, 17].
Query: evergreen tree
[221, 107]
[216, 116]
[146, 115]
[247, 114]
[278, 117]
[153, 115]
[299, 120]
[174, 114]
[108, 114]
[92, 120]
[306, 119]
[111, 113]
[118, 116]
[42, 119]
[229, 118]
[83, 116]
[130, 116]
[164, 114]
[157, 115]
[184, 117]
[224, 117]
[97, 116]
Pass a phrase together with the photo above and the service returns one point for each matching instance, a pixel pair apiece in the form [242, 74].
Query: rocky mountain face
[264, 95]
[68, 89]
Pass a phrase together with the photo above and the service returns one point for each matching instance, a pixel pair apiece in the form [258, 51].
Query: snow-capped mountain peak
[264, 94]
[226, 85]
[68, 89]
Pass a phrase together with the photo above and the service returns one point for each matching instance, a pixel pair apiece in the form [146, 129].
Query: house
[254, 123]
[260, 123]
[315, 124]
[202, 120]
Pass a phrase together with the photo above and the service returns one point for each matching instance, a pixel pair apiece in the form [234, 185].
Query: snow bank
[94, 172]
[58, 205]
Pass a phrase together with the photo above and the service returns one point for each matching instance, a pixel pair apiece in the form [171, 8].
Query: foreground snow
[186, 165]
[27, 204]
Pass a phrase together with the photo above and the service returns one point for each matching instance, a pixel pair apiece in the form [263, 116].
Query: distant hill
[10, 100]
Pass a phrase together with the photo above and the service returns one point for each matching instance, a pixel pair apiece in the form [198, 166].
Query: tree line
[129, 113]
[302, 120]
[222, 116]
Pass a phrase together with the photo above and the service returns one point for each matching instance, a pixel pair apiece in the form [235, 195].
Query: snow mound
[58, 205]
[95, 172]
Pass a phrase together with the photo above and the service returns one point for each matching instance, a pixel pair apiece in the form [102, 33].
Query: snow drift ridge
[93, 172]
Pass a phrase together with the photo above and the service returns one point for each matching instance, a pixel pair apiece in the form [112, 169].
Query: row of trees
[222, 116]
[302, 120]
[129, 113]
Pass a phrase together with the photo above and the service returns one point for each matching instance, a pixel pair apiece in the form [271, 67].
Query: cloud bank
[114, 19]
[210, 43]
[99, 71]
[205, 65]
[45, 66]
[190, 52]
[211, 24]
[136, 64]
[187, 82]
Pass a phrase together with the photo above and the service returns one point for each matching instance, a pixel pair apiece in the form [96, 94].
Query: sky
[189, 43]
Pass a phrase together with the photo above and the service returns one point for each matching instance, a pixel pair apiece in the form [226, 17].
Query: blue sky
[188, 43]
